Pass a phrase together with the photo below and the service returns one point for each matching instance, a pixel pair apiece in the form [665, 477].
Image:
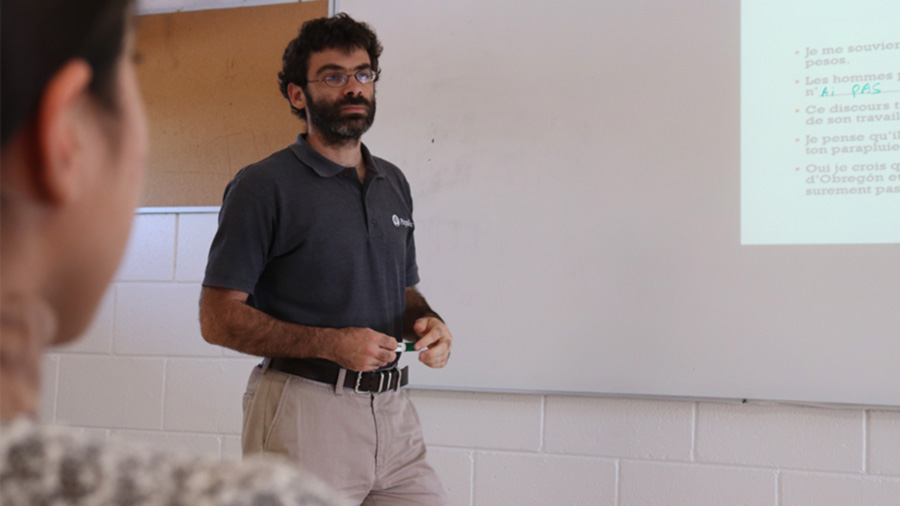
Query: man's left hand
[434, 335]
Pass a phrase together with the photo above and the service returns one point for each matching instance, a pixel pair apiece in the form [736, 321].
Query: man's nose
[353, 87]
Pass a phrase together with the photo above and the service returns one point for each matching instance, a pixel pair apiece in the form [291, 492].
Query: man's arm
[227, 320]
[423, 325]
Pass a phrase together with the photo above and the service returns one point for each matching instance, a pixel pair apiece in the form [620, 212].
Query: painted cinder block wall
[143, 372]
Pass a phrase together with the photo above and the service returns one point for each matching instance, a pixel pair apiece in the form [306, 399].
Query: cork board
[210, 86]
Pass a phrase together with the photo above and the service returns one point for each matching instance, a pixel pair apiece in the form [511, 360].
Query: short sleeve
[241, 246]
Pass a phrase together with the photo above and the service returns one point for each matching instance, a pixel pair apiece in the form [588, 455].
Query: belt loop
[358, 379]
[265, 365]
[381, 382]
[339, 384]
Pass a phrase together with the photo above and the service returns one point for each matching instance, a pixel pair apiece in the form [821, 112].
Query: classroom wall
[144, 373]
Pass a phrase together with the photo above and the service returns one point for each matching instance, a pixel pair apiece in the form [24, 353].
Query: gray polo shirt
[313, 245]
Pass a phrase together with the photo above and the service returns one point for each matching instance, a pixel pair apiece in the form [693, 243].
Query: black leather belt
[375, 381]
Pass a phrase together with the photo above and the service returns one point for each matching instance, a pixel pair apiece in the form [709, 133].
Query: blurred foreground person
[73, 153]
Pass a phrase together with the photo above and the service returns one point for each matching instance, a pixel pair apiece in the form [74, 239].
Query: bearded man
[314, 267]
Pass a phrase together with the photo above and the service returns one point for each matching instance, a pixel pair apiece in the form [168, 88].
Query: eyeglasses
[338, 79]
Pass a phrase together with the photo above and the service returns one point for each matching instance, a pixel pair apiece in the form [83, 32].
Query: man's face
[340, 114]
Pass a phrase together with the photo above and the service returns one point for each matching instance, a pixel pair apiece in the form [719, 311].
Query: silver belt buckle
[382, 385]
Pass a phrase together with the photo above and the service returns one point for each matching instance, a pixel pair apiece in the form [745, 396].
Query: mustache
[354, 100]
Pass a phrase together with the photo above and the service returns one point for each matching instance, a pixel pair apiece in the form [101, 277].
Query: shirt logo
[400, 221]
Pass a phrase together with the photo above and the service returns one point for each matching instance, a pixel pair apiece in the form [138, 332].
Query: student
[73, 153]
[314, 266]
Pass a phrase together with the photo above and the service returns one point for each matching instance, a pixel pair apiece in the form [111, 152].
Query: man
[314, 267]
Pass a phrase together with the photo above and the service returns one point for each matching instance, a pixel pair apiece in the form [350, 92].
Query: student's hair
[338, 32]
[40, 36]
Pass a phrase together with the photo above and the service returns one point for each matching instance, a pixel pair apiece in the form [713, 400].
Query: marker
[401, 347]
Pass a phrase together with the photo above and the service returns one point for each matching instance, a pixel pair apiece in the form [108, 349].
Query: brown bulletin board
[210, 85]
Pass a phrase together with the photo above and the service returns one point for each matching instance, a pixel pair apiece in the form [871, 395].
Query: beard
[335, 128]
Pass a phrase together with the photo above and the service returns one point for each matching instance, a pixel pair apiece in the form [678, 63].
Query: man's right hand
[363, 349]
[227, 320]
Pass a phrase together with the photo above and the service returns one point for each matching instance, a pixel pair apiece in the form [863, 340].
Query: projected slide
[820, 122]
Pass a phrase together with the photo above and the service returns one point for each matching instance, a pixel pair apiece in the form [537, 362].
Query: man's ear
[296, 96]
[61, 133]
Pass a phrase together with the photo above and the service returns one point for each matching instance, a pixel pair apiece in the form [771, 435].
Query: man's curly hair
[338, 32]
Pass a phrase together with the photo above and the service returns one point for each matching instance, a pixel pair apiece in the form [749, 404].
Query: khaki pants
[368, 446]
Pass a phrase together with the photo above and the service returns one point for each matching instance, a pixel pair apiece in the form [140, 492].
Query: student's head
[73, 153]
[313, 54]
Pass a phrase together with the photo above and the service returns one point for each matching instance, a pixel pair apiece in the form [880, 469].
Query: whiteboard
[576, 174]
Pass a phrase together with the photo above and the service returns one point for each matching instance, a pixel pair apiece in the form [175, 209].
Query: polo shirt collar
[325, 167]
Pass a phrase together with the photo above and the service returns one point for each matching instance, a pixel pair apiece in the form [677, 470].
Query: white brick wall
[781, 436]
[654, 483]
[883, 456]
[143, 373]
[110, 392]
[649, 430]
